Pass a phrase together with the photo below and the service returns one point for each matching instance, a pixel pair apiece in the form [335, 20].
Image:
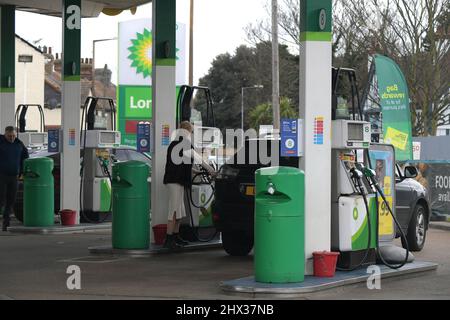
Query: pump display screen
[356, 132]
[37, 139]
[108, 138]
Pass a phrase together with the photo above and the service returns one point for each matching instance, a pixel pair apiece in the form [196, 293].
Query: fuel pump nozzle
[368, 173]
[370, 176]
[356, 176]
[356, 173]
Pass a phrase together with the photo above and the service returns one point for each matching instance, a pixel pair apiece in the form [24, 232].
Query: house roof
[29, 44]
[53, 80]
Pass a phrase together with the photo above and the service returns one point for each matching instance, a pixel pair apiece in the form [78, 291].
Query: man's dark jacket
[12, 156]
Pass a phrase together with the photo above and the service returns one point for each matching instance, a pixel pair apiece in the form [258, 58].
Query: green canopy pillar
[164, 100]
[315, 109]
[7, 66]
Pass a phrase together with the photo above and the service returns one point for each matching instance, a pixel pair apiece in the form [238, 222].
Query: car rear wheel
[237, 243]
[417, 230]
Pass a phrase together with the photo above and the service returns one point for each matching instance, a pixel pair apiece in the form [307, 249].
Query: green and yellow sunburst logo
[141, 53]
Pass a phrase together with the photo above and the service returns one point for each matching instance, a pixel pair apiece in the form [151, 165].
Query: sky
[218, 28]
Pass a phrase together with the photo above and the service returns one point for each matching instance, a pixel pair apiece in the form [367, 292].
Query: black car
[124, 153]
[234, 204]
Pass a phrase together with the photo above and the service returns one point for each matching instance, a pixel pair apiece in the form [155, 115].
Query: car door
[404, 198]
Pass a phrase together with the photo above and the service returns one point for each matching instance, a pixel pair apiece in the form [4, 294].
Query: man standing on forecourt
[12, 155]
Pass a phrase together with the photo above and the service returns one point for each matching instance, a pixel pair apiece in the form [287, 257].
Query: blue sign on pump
[143, 137]
[291, 137]
[53, 140]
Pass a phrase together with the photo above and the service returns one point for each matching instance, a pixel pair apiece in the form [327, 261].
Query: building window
[447, 132]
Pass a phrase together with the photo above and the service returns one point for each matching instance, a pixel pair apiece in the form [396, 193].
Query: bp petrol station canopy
[89, 8]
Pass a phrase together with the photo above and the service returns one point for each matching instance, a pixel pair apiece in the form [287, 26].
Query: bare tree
[414, 33]
[417, 38]
[288, 22]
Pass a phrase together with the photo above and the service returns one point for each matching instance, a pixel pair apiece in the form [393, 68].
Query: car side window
[136, 156]
[121, 155]
[398, 175]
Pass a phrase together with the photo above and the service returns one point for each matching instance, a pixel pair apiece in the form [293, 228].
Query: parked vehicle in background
[124, 153]
[413, 207]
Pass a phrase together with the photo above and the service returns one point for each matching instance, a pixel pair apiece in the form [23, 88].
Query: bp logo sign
[141, 53]
[135, 53]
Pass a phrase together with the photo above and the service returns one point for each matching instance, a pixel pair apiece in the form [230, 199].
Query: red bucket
[160, 231]
[68, 217]
[325, 263]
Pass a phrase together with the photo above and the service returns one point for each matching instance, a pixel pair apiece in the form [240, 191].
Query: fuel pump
[206, 142]
[355, 190]
[96, 167]
[32, 140]
[354, 207]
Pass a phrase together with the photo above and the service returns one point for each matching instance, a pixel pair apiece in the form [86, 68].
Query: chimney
[57, 63]
[49, 67]
[106, 77]
[50, 50]
[45, 49]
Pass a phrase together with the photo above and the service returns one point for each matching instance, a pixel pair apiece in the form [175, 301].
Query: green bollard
[131, 212]
[38, 193]
[279, 253]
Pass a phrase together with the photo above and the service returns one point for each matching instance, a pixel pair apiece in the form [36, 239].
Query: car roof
[41, 153]
[45, 153]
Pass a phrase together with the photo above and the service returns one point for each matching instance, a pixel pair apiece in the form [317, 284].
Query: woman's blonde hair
[186, 125]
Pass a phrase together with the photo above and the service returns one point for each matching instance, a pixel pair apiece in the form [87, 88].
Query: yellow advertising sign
[397, 138]
[386, 222]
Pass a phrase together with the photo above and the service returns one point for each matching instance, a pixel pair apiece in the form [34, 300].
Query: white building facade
[30, 79]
